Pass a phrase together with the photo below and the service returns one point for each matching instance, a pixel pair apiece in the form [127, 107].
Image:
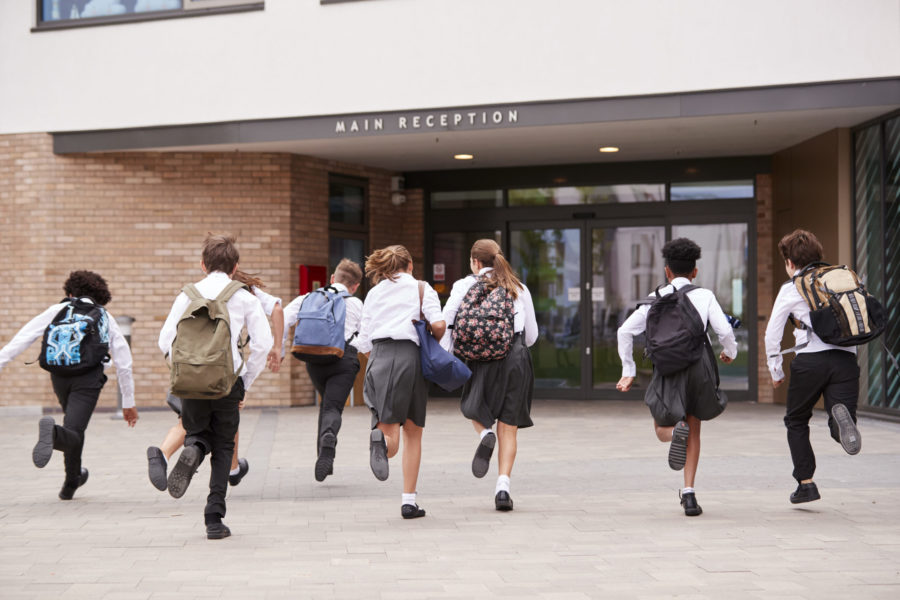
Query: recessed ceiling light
[609, 149]
[463, 156]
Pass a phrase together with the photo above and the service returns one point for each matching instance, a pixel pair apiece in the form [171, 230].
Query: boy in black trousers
[818, 370]
[77, 392]
[334, 381]
[212, 423]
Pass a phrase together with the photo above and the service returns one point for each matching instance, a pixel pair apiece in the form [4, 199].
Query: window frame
[189, 8]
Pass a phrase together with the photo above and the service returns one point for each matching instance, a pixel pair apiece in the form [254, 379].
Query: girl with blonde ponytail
[499, 390]
[395, 390]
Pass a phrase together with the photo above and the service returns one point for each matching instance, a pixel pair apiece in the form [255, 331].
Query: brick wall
[139, 219]
[765, 285]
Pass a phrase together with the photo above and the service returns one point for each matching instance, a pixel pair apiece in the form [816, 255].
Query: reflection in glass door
[626, 265]
[549, 263]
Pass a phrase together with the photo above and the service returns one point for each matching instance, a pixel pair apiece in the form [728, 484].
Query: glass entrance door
[587, 278]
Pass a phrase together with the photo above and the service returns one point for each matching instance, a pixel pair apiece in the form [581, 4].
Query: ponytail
[252, 281]
[488, 253]
[386, 263]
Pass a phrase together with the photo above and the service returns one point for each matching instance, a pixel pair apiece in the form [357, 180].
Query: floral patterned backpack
[484, 325]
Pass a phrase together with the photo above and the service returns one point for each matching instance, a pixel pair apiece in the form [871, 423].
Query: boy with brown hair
[334, 381]
[818, 369]
[211, 421]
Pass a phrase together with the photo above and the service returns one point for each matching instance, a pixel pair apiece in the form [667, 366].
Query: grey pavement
[596, 514]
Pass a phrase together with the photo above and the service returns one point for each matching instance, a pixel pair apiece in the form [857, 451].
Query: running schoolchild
[158, 457]
[691, 395]
[211, 424]
[334, 381]
[77, 393]
[395, 390]
[499, 390]
[818, 369]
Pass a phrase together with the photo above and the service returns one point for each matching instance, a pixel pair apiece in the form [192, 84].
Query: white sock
[409, 499]
[687, 490]
[235, 470]
[502, 484]
[484, 432]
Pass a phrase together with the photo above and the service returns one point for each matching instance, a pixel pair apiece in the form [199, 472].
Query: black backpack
[77, 340]
[676, 336]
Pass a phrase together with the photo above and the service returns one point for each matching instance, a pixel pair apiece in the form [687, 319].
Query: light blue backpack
[319, 332]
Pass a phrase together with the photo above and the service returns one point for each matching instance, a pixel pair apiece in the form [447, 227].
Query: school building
[581, 135]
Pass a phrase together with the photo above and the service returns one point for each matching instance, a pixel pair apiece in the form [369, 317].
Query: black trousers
[78, 397]
[334, 383]
[211, 426]
[833, 374]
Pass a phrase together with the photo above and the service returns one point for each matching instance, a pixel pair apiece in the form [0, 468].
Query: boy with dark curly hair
[680, 401]
[78, 388]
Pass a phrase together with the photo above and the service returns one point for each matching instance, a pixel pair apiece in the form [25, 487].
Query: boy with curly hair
[680, 401]
[77, 393]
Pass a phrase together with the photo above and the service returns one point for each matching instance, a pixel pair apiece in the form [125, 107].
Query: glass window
[712, 190]
[598, 194]
[476, 199]
[723, 269]
[74, 10]
[450, 252]
[347, 201]
[344, 247]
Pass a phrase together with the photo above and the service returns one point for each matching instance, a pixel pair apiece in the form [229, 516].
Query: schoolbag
[841, 311]
[76, 340]
[675, 334]
[202, 363]
[319, 331]
[484, 326]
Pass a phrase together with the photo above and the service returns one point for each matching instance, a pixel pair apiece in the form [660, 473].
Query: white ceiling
[654, 139]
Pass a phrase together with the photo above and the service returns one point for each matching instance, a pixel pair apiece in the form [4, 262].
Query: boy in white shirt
[212, 424]
[818, 369]
[691, 395]
[77, 393]
[334, 381]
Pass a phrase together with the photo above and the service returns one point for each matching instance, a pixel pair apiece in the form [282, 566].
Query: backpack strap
[230, 290]
[191, 291]
[421, 285]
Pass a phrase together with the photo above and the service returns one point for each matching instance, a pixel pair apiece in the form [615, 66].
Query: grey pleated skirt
[394, 389]
[501, 390]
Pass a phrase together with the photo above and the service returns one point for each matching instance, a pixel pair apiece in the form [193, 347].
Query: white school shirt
[390, 308]
[118, 348]
[790, 302]
[352, 319]
[524, 320]
[268, 301]
[710, 312]
[243, 309]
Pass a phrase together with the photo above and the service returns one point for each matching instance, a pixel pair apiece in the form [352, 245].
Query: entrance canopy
[742, 122]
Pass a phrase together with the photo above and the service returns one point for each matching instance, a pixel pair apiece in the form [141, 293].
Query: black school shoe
[325, 460]
[378, 459]
[243, 469]
[411, 511]
[184, 470]
[848, 434]
[217, 531]
[805, 492]
[43, 449]
[502, 501]
[482, 461]
[156, 468]
[689, 502]
[678, 446]
[67, 491]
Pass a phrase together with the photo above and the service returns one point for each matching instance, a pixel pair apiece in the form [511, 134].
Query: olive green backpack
[202, 364]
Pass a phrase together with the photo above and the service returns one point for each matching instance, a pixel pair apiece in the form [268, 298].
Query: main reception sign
[468, 119]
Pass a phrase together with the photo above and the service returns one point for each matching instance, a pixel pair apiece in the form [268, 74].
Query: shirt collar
[218, 275]
[340, 287]
[680, 282]
[485, 270]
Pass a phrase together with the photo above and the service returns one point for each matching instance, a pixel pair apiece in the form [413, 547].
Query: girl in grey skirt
[394, 389]
[499, 390]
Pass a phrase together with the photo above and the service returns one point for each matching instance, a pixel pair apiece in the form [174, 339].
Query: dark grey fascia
[814, 96]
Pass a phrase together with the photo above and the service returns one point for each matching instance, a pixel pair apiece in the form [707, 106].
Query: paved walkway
[596, 516]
